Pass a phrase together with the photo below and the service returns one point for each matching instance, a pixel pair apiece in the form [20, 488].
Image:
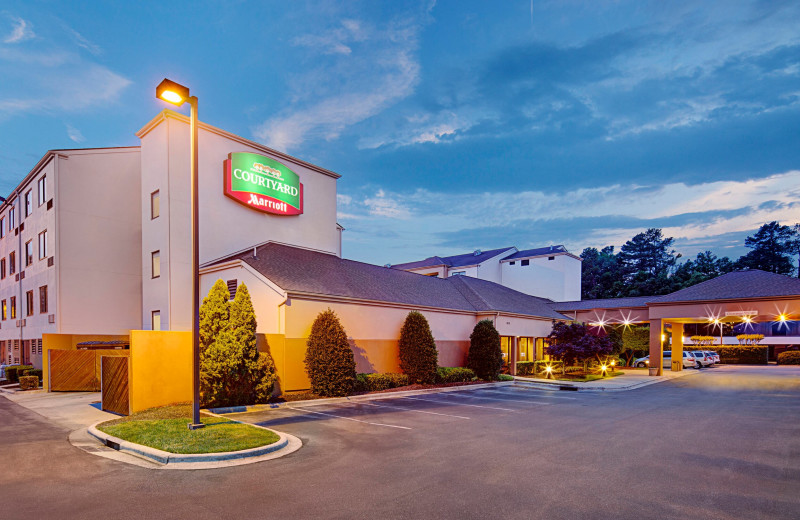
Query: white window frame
[2, 226]
[43, 245]
[42, 183]
[155, 264]
[155, 316]
[155, 205]
[28, 198]
[28, 255]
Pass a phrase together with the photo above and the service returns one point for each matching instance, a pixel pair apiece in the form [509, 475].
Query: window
[12, 262]
[43, 299]
[2, 269]
[11, 219]
[156, 316]
[2, 227]
[155, 204]
[525, 262]
[28, 253]
[458, 273]
[42, 191]
[551, 258]
[43, 244]
[13, 307]
[155, 261]
[28, 203]
[4, 310]
[232, 284]
[512, 263]
[29, 303]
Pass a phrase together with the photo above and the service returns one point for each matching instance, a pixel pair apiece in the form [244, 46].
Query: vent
[16, 324]
[525, 262]
[24, 322]
[51, 318]
[16, 231]
[16, 277]
[22, 275]
[50, 204]
[477, 252]
[22, 227]
[51, 261]
[232, 288]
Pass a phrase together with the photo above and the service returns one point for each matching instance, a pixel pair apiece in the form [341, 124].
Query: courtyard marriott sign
[263, 184]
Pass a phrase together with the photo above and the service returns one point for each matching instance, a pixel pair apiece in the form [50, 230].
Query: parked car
[688, 360]
[703, 360]
[714, 355]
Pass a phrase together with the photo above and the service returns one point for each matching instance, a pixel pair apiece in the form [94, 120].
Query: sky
[455, 124]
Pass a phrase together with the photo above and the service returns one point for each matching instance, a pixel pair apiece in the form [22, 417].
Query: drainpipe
[19, 273]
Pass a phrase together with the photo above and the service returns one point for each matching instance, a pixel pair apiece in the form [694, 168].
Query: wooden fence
[114, 378]
[73, 371]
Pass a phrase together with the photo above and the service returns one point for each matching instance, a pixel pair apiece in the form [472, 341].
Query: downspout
[19, 273]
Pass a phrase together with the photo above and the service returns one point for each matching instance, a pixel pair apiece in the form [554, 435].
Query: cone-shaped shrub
[214, 315]
[418, 356]
[485, 357]
[257, 370]
[329, 359]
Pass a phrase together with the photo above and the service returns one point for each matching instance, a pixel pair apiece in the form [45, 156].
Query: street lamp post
[177, 94]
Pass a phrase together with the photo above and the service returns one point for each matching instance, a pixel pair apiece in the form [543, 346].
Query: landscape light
[549, 368]
[603, 368]
[747, 319]
[613, 362]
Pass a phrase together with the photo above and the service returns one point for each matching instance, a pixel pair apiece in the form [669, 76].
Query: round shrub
[418, 355]
[330, 365]
[790, 357]
[485, 357]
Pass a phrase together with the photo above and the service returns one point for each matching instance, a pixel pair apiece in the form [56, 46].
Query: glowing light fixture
[663, 338]
[782, 318]
[172, 92]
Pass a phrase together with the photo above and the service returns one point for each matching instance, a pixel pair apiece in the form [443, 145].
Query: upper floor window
[2, 268]
[13, 307]
[155, 204]
[12, 262]
[12, 219]
[5, 310]
[2, 227]
[43, 244]
[28, 253]
[525, 262]
[42, 191]
[458, 273]
[155, 260]
[43, 299]
[29, 303]
[28, 203]
[155, 316]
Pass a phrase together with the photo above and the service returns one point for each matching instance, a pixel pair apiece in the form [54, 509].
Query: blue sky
[455, 124]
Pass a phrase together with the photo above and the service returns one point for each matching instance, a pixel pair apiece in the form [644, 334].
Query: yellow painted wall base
[160, 368]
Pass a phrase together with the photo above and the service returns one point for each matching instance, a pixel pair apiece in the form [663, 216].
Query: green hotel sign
[263, 184]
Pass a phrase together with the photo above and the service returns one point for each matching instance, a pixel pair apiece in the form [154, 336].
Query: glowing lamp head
[548, 368]
[603, 367]
[782, 318]
[747, 319]
[613, 362]
[172, 92]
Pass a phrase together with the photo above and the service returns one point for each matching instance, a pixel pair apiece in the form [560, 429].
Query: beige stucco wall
[226, 226]
[558, 279]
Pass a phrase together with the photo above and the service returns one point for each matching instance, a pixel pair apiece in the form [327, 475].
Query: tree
[600, 273]
[649, 252]
[635, 341]
[232, 371]
[418, 355]
[485, 357]
[573, 343]
[329, 359]
[770, 249]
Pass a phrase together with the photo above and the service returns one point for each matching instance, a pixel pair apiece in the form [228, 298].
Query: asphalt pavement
[724, 444]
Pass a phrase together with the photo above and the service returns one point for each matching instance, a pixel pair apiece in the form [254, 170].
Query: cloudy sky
[455, 124]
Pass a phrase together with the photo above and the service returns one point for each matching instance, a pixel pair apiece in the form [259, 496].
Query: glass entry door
[505, 348]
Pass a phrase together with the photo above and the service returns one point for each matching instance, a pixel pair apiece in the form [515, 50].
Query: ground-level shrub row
[378, 382]
[791, 357]
[737, 354]
[14, 371]
[454, 375]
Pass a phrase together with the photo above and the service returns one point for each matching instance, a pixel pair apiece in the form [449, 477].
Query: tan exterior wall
[160, 369]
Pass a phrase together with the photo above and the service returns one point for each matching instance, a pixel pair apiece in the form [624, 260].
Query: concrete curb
[566, 385]
[355, 398]
[166, 458]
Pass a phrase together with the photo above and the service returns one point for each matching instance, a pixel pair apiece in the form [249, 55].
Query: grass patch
[583, 378]
[165, 429]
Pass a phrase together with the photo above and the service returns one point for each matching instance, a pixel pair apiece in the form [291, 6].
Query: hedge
[28, 383]
[737, 354]
[378, 382]
[454, 375]
[790, 357]
[34, 372]
[537, 368]
[13, 372]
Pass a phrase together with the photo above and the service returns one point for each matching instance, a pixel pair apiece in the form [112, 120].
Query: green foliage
[14, 371]
[540, 367]
[738, 354]
[771, 248]
[232, 371]
[573, 343]
[790, 357]
[526, 368]
[34, 372]
[485, 357]
[378, 382]
[28, 383]
[505, 377]
[329, 359]
[418, 354]
[454, 375]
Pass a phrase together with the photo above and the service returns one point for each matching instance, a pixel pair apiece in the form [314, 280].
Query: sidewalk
[630, 380]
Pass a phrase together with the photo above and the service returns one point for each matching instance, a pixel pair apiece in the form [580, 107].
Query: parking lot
[723, 443]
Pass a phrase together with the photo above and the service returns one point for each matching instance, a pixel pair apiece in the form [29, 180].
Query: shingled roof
[737, 285]
[539, 251]
[302, 271]
[603, 303]
[454, 261]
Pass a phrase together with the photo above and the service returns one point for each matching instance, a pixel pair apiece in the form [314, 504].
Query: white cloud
[422, 128]
[382, 205]
[74, 134]
[83, 43]
[375, 67]
[22, 31]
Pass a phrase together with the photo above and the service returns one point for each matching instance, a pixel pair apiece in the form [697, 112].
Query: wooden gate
[114, 381]
[72, 371]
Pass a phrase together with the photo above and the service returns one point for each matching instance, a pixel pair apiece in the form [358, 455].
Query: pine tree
[214, 315]
[257, 370]
[418, 355]
[329, 359]
[485, 356]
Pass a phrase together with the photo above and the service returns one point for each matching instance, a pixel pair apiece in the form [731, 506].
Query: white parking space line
[413, 410]
[542, 393]
[528, 401]
[304, 410]
[459, 404]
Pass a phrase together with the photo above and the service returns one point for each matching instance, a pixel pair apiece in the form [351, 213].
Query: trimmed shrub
[418, 355]
[378, 382]
[737, 354]
[526, 368]
[28, 383]
[454, 375]
[14, 371]
[540, 367]
[485, 357]
[35, 372]
[329, 360]
[790, 357]
[505, 377]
